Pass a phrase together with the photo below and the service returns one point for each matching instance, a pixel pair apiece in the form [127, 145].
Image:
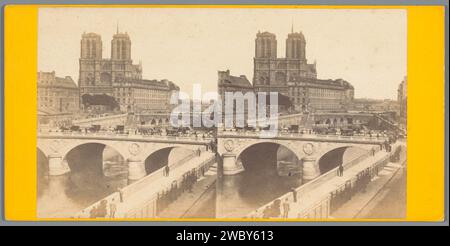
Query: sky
[190, 45]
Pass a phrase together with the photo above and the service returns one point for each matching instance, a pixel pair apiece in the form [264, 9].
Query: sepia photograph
[221, 113]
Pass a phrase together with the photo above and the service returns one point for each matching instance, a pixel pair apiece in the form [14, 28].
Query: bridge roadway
[139, 199]
[125, 137]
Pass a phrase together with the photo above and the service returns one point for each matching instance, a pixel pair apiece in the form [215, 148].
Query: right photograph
[317, 128]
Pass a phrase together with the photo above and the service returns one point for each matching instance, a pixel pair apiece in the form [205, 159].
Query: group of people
[341, 196]
[273, 210]
[277, 209]
[387, 146]
[170, 195]
[395, 157]
[104, 209]
[280, 208]
[188, 180]
[363, 178]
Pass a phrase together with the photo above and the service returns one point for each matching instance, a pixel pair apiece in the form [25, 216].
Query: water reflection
[96, 171]
[64, 195]
[271, 170]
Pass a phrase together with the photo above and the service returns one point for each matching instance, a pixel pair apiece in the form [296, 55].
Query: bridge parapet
[311, 137]
[109, 120]
[121, 137]
[134, 149]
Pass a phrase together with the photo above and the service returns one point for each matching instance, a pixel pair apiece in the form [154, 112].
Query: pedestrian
[286, 208]
[112, 208]
[276, 210]
[177, 190]
[333, 201]
[294, 194]
[93, 212]
[183, 182]
[164, 200]
[341, 170]
[364, 183]
[120, 194]
[158, 203]
[166, 170]
[266, 212]
[190, 183]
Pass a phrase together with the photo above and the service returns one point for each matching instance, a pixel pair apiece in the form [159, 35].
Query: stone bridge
[134, 149]
[308, 149]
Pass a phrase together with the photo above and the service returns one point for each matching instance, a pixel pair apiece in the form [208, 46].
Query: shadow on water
[96, 171]
[100, 172]
[263, 180]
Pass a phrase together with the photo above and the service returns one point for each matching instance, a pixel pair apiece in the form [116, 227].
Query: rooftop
[229, 80]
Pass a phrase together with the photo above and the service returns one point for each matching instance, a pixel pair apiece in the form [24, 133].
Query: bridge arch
[242, 149]
[69, 145]
[285, 153]
[160, 157]
[259, 172]
[42, 162]
[332, 158]
[91, 155]
[43, 148]
[42, 171]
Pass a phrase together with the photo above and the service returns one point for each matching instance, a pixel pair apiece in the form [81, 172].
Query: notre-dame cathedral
[291, 76]
[96, 73]
[272, 73]
[118, 77]
[294, 77]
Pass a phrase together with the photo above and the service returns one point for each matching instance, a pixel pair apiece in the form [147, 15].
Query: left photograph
[107, 146]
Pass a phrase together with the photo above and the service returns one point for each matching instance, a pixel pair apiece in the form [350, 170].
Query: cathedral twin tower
[266, 46]
[275, 74]
[91, 46]
[97, 75]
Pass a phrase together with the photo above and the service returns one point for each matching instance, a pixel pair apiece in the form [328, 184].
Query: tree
[101, 99]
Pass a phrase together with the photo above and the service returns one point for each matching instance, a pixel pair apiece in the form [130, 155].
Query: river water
[270, 171]
[64, 195]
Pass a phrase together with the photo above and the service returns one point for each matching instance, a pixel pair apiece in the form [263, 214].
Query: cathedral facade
[118, 77]
[294, 77]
